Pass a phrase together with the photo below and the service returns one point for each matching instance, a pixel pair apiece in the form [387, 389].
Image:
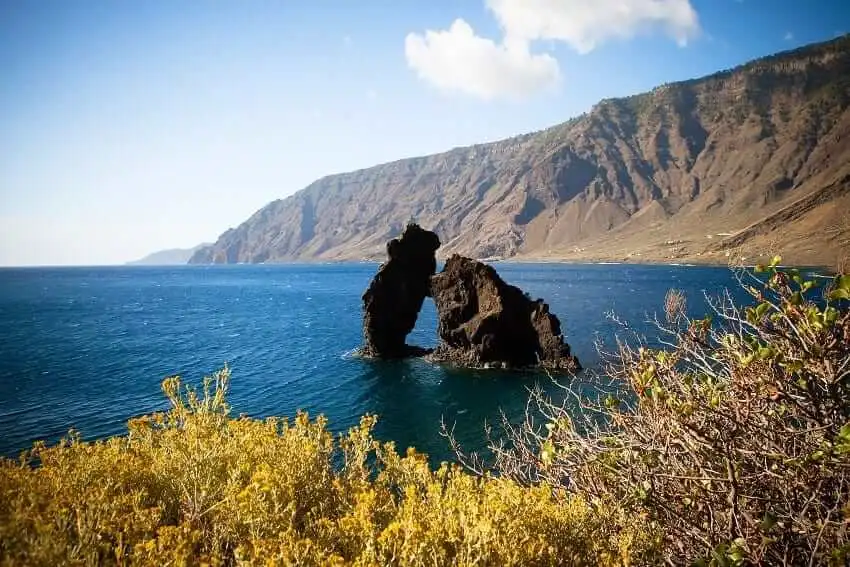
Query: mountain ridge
[678, 172]
[169, 257]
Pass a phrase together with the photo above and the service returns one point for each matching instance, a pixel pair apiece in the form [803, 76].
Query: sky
[131, 127]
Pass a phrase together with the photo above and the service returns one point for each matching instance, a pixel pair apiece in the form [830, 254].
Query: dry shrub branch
[733, 438]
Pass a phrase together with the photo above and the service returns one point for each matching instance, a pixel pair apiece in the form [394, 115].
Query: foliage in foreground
[734, 437]
[195, 486]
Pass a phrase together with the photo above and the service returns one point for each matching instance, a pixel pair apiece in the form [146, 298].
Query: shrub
[195, 486]
[734, 436]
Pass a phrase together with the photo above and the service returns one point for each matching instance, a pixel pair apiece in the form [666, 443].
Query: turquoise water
[87, 347]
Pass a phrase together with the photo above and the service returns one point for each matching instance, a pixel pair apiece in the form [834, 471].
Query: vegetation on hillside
[729, 445]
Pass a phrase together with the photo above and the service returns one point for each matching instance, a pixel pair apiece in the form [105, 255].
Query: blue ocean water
[88, 347]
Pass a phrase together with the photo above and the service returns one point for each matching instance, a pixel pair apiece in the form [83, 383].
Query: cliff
[744, 161]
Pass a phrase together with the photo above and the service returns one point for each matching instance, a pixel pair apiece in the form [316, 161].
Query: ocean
[87, 348]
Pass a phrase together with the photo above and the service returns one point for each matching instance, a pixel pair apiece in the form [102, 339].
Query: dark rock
[485, 321]
[394, 298]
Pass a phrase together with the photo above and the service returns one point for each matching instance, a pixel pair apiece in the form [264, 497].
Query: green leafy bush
[734, 438]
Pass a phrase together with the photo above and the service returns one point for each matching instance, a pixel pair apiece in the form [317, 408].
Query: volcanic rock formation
[484, 321]
[394, 298]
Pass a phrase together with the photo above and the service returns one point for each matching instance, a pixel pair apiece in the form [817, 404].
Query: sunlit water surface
[86, 348]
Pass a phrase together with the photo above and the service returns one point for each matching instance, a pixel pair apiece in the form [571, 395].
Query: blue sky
[128, 127]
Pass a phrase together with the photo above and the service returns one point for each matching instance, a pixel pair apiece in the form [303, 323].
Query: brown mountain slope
[731, 164]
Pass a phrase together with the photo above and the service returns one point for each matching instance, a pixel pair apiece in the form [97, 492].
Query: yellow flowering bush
[195, 486]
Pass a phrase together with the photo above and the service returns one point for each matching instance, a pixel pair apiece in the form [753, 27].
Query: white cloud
[458, 60]
[788, 36]
[586, 24]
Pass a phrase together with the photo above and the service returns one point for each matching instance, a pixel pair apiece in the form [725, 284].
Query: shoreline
[564, 261]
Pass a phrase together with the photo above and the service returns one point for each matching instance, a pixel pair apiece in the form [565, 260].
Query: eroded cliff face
[752, 159]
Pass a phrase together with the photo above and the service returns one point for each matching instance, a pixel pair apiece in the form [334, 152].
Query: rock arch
[482, 320]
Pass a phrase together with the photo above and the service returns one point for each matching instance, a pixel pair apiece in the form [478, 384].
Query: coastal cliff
[744, 161]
